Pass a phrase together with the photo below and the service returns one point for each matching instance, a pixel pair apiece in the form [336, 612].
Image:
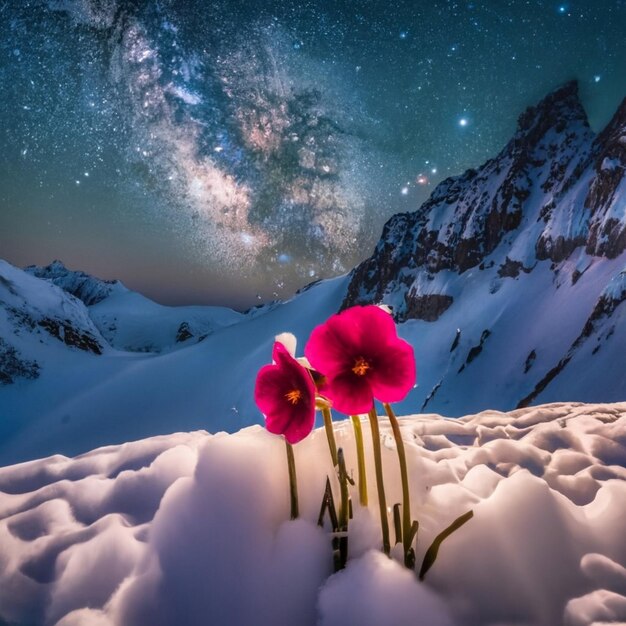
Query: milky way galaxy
[233, 151]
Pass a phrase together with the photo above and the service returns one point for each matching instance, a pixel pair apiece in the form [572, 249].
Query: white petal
[289, 341]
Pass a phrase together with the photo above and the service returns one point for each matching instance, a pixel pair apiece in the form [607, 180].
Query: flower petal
[326, 350]
[270, 389]
[334, 345]
[281, 355]
[273, 386]
[289, 341]
[301, 422]
[350, 394]
[364, 325]
[394, 373]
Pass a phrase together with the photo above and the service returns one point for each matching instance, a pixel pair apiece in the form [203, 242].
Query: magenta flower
[362, 358]
[285, 393]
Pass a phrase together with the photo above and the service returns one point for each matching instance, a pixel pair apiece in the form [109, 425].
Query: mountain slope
[82, 399]
[501, 275]
[34, 320]
[132, 322]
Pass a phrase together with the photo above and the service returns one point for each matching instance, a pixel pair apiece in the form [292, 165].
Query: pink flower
[362, 358]
[285, 393]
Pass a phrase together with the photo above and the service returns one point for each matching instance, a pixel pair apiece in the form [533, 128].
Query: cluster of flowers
[353, 359]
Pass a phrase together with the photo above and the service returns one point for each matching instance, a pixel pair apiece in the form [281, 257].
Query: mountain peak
[83, 286]
[555, 187]
[559, 108]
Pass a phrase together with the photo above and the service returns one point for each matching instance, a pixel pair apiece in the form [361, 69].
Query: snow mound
[193, 529]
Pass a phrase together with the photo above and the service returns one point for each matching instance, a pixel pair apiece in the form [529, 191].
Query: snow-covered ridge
[504, 276]
[131, 322]
[153, 380]
[548, 193]
[32, 318]
[83, 286]
[193, 528]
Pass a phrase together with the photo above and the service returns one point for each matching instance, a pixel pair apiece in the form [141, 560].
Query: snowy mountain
[193, 529]
[131, 322]
[148, 380]
[36, 317]
[510, 277]
[509, 282]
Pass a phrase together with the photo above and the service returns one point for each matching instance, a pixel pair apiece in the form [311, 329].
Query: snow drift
[193, 528]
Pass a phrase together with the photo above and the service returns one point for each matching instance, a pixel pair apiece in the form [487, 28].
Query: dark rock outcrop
[13, 366]
[428, 307]
[70, 336]
[555, 188]
[183, 333]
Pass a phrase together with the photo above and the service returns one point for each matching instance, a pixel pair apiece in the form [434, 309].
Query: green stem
[343, 486]
[404, 476]
[330, 435]
[378, 463]
[344, 512]
[360, 454]
[293, 483]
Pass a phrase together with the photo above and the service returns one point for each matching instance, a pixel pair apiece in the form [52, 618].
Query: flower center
[293, 396]
[360, 366]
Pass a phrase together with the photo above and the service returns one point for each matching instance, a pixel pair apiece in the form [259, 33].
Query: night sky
[230, 152]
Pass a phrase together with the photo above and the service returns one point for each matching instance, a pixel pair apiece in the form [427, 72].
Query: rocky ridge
[517, 264]
[554, 188]
[87, 288]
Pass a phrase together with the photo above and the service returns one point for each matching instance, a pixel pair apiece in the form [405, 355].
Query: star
[463, 122]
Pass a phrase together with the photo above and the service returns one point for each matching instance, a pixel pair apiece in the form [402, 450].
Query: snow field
[194, 529]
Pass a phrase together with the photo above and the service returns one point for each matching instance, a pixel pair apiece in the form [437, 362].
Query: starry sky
[231, 152]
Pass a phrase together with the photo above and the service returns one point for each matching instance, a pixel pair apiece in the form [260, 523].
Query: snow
[616, 289]
[81, 400]
[131, 322]
[193, 528]
[376, 590]
[21, 292]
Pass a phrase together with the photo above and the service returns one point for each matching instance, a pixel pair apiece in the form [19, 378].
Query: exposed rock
[530, 359]
[65, 332]
[427, 307]
[475, 350]
[511, 269]
[553, 171]
[557, 249]
[457, 338]
[183, 333]
[431, 395]
[612, 297]
[13, 366]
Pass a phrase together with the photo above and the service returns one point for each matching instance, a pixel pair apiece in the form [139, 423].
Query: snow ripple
[191, 528]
